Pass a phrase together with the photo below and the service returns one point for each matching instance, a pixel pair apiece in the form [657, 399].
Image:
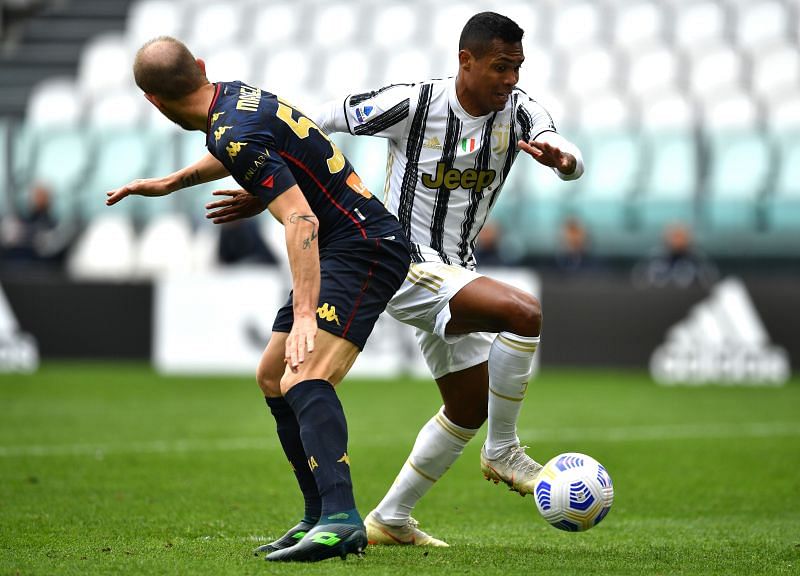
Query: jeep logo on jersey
[454, 178]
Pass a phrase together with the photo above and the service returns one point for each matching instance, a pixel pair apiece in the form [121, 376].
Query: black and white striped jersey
[445, 167]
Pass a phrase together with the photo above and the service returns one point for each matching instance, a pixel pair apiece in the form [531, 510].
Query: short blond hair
[165, 67]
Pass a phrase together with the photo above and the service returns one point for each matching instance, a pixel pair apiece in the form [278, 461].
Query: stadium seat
[739, 167]
[105, 250]
[589, 70]
[105, 65]
[613, 160]
[776, 72]
[336, 24]
[604, 111]
[652, 71]
[734, 110]
[164, 247]
[288, 72]
[60, 159]
[275, 25]
[566, 35]
[230, 63]
[670, 174]
[638, 25]
[336, 83]
[394, 25]
[715, 70]
[761, 23]
[784, 114]
[784, 199]
[214, 24]
[447, 21]
[150, 18]
[411, 65]
[54, 102]
[698, 24]
[122, 107]
[110, 171]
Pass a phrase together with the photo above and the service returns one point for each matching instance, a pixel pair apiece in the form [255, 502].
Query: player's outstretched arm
[302, 228]
[204, 170]
[236, 205]
[553, 150]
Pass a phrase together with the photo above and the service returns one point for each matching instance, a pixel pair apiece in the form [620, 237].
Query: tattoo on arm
[311, 219]
[190, 179]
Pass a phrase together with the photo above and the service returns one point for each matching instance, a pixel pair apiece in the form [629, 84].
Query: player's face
[489, 80]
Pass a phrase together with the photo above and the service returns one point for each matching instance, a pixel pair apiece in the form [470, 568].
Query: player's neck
[195, 108]
[466, 99]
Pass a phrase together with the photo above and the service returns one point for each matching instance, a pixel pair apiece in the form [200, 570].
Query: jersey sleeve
[383, 112]
[256, 166]
[532, 119]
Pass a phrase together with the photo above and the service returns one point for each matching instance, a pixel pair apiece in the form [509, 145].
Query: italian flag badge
[468, 144]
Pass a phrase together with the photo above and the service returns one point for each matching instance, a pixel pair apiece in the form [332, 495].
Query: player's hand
[300, 343]
[143, 187]
[549, 155]
[238, 205]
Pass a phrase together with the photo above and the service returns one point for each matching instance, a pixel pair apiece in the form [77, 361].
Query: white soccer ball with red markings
[573, 492]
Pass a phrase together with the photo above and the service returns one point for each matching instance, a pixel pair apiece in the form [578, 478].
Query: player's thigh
[271, 365]
[424, 297]
[332, 358]
[488, 305]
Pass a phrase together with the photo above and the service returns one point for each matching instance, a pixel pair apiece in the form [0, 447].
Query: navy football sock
[323, 429]
[289, 436]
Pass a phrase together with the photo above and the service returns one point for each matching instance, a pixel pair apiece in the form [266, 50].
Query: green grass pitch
[112, 469]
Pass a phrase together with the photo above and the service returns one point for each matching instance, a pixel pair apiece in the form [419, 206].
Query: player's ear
[465, 59]
[153, 100]
[201, 64]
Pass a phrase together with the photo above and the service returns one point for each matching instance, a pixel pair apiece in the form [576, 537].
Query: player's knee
[269, 382]
[524, 315]
[469, 415]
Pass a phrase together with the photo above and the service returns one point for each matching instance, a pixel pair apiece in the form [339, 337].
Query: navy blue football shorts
[358, 278]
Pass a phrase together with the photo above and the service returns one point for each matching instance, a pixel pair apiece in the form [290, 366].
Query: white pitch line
[615, 434]
[708, 431]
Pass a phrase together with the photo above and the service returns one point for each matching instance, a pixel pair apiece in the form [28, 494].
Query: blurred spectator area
[685, 110]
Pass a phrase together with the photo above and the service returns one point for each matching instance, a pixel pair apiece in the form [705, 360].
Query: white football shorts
[423, 301]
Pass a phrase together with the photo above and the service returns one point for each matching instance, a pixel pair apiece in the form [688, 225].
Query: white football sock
[510, 362]
[438, 445]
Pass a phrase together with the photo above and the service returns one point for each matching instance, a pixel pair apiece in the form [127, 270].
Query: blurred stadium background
[687, 112]
[160, 458]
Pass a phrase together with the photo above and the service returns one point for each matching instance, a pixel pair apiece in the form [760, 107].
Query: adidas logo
[433, 143]
[722, 340]
[18, 350]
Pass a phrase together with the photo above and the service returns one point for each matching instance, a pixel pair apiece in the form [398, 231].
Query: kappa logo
[345, 459]
[327, 312]
[220, 131]
[722, 340]
[233, 148]
[215, 116]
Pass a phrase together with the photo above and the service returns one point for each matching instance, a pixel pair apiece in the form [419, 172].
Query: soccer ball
[573, 492]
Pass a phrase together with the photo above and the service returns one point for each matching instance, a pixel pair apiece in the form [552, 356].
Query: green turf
[112, 469]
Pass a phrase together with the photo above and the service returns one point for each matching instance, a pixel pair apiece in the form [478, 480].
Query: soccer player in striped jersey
[347, 256]
[452, 143]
